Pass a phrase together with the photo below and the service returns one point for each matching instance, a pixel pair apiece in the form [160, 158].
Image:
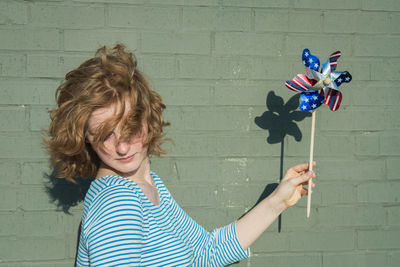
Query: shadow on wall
[280, 120]
[65, 194]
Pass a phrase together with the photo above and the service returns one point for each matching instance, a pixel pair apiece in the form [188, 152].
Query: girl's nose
[122, 147]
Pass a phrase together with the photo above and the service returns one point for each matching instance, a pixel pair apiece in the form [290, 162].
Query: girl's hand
[291, 187]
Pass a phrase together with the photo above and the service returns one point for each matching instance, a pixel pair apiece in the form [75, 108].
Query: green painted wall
[214, 62]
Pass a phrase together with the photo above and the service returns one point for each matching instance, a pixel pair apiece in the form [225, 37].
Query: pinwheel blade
[333, 98]
[310, 61]
[333, 58]
[300, 83]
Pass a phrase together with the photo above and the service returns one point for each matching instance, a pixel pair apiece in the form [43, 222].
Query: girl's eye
[108, 136]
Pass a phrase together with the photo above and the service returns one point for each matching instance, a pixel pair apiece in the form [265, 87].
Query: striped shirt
[122, 227]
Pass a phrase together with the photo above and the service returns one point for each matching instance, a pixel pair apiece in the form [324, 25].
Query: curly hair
[109, 78]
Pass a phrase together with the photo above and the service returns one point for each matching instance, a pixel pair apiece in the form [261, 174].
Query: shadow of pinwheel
[280, 120]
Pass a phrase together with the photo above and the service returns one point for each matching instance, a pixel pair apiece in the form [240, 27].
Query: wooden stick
[311, 162]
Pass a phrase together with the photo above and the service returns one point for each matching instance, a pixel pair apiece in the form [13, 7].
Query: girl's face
[124, 157]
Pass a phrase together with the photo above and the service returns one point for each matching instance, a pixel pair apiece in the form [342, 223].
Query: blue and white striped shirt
[122, 227]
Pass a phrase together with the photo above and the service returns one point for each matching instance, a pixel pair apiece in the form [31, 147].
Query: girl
[107, 124]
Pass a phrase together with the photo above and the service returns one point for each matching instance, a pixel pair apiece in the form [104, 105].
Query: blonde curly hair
[109, 78]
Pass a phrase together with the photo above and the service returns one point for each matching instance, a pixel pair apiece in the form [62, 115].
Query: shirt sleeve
[221, 247]
[217, 248]
[114, 230]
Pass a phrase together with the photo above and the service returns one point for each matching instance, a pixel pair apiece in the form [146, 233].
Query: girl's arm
[256, 221]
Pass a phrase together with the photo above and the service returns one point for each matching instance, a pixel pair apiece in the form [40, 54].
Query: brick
[287, 260]
[192, 145]
[52, 66]
[49, 264]
[378, 239]
[13, 13]
[8, 198]
[322, 241]
[248, 44]
[39, 118]
[12, 65]
[392, 165]
[221, 216]
[389, 145]
[34, 248]
[358, 259]
[91, 40]
[28, 91]
[295, 218]
[214, 68]
[158, 67]
[256, 3]
[211, 19]
[326, 4]
[231, 171]
[295, 43]
[389, 5]
[271, 242]
[392, 120]
[216, 119]
[244, 145]
[393, 214]
[40, 224]
[195, 195]
[67, 16]
[114, 1]
[181, 95]
[350, 118]
[19, 145]
[309, 21]
[367, 144]
[368, 95]
[197, 2]
[143, 17]
[393, 259]
[263, 170]
[42, 199]
[271, 20]
[10, 174]
[339, 217]
[394, 23]
[176, 43]
[9, 223]
[32, 173]
[197, 171]
[270, 68]
[167, 169]
[322, 144]
[382, 192]
[379, 70]
[360, 70]
[26, 39]
[370, 45]
[241, 95]
[351, 22]
[13, 118]
[240, 195]
[334, 193]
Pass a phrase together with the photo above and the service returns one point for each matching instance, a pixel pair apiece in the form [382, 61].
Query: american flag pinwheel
[319, 87]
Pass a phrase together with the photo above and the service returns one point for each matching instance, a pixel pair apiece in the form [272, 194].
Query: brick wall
[214, 62]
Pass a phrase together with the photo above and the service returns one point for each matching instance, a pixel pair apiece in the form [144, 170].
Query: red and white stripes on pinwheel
[299, 84]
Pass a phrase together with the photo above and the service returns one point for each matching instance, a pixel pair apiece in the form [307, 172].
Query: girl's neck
[139, 176]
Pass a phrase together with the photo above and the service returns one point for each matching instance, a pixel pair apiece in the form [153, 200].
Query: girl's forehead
[102, 114]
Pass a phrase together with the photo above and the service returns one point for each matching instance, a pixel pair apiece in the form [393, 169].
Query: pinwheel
[317, 88]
